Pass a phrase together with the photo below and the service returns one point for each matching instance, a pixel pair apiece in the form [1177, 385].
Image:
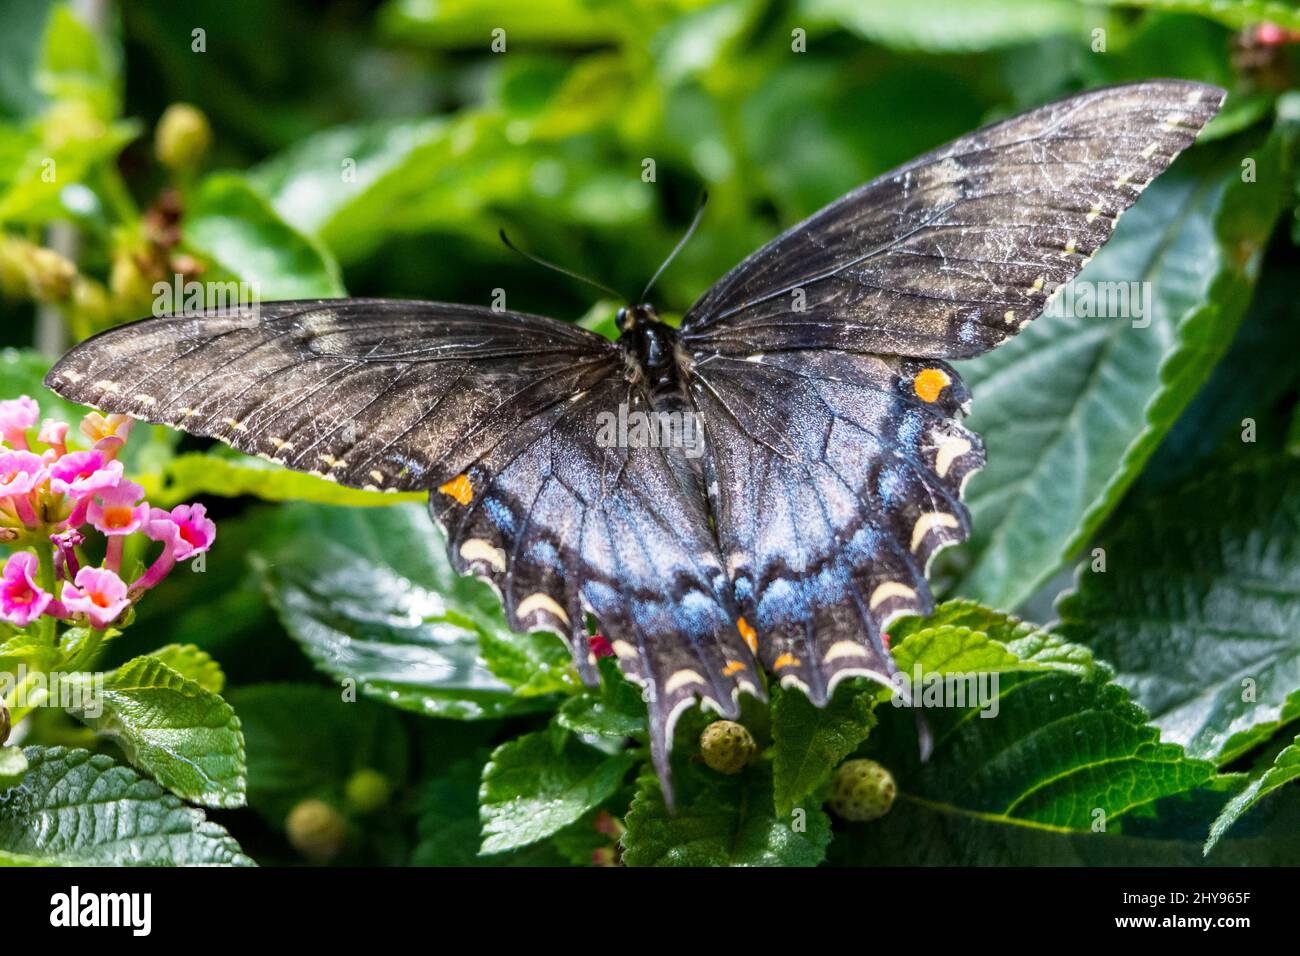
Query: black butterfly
[833, 461]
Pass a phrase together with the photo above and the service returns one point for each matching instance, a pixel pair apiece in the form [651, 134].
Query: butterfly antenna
[560, 269]
[695, 221]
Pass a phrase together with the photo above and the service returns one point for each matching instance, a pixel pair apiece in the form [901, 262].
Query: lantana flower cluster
[53, 498]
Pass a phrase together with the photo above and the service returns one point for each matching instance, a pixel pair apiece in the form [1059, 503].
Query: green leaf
[916, 834]
[307, 187]
[79, 65]
[1199, 608]
[534, 665]
[20, 50]
[1027, 643]
[82, 809]
[811, 741]
[192, 663]
[1104, 392]
[1068, 772]
[1285, 768]
[944, 26]
[1236, 13]
[1055, 750]
[187, 737]
[448, 825]
[721, 821]
[537, 784]
[13, 765]
[29, 649]
[371, 597]
[224, 471]
[306, 741]
[234, 229]
[615, 710]
[460, 23]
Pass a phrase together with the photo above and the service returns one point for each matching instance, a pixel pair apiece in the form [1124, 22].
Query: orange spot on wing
[785, 660]
[748, 633]
[929, 382]
[732, 667]
[459, 488]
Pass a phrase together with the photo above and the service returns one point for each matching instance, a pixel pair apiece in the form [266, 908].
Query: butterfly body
[833, 458]
[650, 346]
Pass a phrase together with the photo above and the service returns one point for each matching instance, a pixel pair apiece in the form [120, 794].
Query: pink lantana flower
[55, 434]
[108, 432]
[16, 416]
[21, 472]
[66, 543]
[118, 510]
[82, 473]
[185, 532]
[21, 599]
[97, 593]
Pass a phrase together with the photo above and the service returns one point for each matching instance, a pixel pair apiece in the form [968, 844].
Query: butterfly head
[629, 317]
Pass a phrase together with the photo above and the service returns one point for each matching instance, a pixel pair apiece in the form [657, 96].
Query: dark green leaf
[12, 767]
[811, 741]
[1285, 768]
[615, 710]
[232, 227]
[372, 598]
[537, 784]
[82, 809]
[721, 821]
[448, 825]
[187, 737]
[1199, 608]
[305, 741]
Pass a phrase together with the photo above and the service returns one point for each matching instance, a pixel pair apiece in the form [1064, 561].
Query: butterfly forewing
[953, 253]
[374, 394]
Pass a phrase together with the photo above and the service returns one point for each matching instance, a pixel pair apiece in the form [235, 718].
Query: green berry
[862, 790]
[316, 830]
[367, 790]
[183, 136]
[727, 746]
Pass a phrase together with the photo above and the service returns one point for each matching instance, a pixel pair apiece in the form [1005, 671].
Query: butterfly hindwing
[835, 482]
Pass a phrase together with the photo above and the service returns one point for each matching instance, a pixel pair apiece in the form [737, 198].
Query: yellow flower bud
[316, 830]
[183, 137]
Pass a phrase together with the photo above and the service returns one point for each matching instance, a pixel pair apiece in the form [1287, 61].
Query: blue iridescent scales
[834, 459]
